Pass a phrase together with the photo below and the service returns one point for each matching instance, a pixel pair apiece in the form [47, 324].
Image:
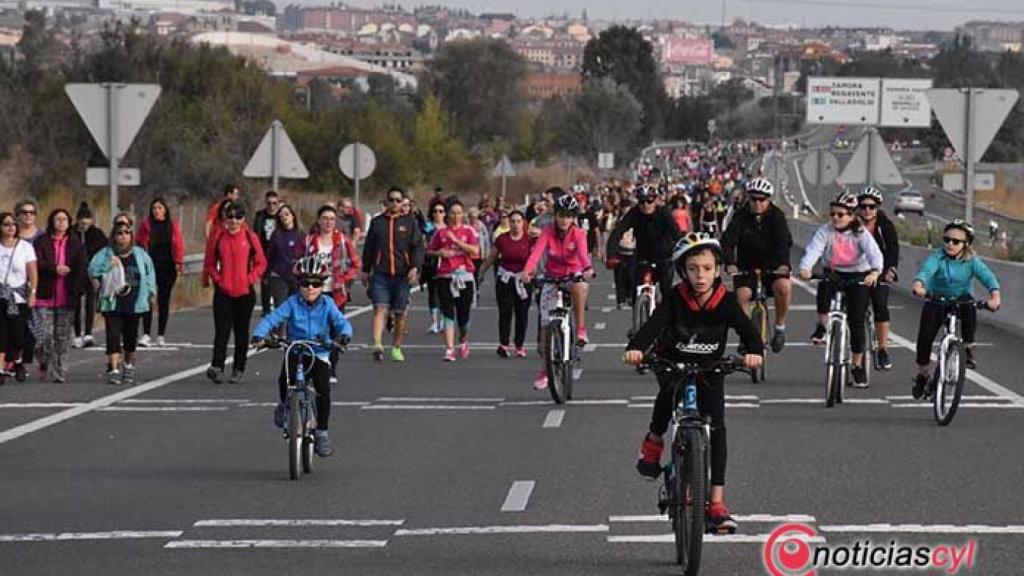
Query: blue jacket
[100, 265]
[307, 321]
[951, 278]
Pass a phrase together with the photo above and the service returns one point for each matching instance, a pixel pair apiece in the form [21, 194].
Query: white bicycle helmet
[962, 225]
[760, 186]
[693, 241]
[845, 200]
[566, 203]
[870, 191]
[312, 266]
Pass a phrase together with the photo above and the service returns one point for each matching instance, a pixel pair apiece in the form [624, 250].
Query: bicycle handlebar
[840, 282]
[725, 365]
[957, 302]
[275, 341]
[571, 279]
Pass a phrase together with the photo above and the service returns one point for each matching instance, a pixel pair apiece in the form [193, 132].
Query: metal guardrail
[194, 263]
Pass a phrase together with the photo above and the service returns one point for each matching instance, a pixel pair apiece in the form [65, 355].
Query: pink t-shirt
[441, 241]
[60, 285]
[844, 250]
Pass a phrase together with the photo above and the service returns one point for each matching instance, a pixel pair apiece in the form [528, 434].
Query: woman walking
[18, 282]
[128, 285]
[161, 237]
[511, 250]
[456, 247]
[285, 246]
[61, 262]
[94, 240]
[435, 224]
[327, 240]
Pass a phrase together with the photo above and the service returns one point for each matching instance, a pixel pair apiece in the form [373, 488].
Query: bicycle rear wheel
[949, 386]
[691, 490]
[759, 317]
[558, 368]
[870, 345]
[294, 438]
[641, 311]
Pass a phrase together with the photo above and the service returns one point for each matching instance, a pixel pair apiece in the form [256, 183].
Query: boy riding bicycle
[691, 326]
[311, 316]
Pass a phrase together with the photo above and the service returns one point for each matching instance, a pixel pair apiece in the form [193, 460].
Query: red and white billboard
[689, 51]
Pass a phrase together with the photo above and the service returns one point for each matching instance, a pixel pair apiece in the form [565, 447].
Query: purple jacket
[284, 247]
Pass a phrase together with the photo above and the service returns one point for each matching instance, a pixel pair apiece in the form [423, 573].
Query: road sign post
[357, 161]
[971, 117]
[113, 113]
[504, 171]
[276, 157]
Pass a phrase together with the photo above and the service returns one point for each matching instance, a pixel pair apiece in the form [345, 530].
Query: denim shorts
[390, 291]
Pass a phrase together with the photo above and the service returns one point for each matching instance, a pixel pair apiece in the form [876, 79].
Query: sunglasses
[839, 214]
[646, 200]
[395, 199]
[953, 241]
[311, 283]
[759, 198]
[124, 232]
[868, 206]
[235, 216]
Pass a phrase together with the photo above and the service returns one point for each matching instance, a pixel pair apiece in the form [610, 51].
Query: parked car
[909, 200]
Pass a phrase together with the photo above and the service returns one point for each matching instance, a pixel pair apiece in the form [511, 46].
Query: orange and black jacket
[394, 245]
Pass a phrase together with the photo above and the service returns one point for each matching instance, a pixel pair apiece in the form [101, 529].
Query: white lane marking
[538, 529]
[611, 296]
[255, 522]
[741, 405]
[518, 496]
[865, 401]
[814, 308]
[600, 402]
[526, 403]
[590, 347]
[972, 375]
[923, 529]
[642, 405]
[164, 409]
[554, 419]
[42, 405]
[112, 535]
[967, 405]
[47, 421]
[599, 326]
[207, 544]
[184, 401]
[426, 407]
[737, 517]
[606, 309]
[272, 404]
[334, 380]
[708, 539]
[962, 397]
[435, 399]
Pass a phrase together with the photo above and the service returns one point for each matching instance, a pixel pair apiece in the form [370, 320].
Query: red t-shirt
[441, 241]
[513, 252]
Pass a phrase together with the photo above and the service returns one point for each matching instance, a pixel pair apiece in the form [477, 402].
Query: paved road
[464, 469]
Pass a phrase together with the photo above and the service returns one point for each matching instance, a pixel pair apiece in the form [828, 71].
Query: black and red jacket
[393, 245]
[684, 331]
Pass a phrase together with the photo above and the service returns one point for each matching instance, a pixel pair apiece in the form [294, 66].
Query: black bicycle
[300, 399]
[688, 474]
[759, 315]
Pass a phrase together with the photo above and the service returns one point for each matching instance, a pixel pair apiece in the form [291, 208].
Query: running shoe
[649, 462]
[540, 382]
[396, 354]
[464, 350]
[449, 355]
[719, 521]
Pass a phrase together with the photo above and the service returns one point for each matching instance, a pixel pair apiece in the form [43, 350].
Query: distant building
[565, 54]
[994, 36]
[545, 85]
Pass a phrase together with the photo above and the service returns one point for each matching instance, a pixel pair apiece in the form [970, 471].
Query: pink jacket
[567, 255]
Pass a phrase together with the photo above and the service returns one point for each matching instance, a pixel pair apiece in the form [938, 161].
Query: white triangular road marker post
[276, 157]
[871, 163]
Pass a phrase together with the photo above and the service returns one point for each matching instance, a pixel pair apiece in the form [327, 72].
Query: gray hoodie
[845, 251]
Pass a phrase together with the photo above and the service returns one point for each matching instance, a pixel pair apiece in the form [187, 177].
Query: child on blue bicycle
[310, 316]
[691, 326]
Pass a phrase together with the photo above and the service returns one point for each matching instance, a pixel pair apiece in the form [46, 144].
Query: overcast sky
[909, 14]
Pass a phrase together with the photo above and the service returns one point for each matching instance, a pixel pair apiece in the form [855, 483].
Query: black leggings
[625, 280]
[510, 305]
[856, 306]
[711, 403]
[932, 317]
[455, 309]
[90, 310]
[321, 378]
[122, 332]
[231, 315]
[12, 330]
[880, 302]
[165, 279]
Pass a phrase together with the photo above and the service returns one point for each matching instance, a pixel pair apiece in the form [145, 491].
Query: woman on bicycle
[565, 246]
[311, 315]
[456, 247]
[850, 254]
[869, 209]
[948, 273]
[511, 250]
[691, 326]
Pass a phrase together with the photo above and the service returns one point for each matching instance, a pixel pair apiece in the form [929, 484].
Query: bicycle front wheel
[559, 367]
[691, 491]
[834, 372]
[870, 346]
[950, 383]
[294, 438]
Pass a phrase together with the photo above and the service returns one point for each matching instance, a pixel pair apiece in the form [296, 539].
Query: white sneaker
[77, 342]
[160, 341]
[144, 341]
[87, 340]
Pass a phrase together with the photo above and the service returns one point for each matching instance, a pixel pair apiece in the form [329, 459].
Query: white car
[909, 200]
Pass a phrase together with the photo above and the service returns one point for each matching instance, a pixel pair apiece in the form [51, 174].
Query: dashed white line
[599, 326]
[41, 404]
[518, 496]
[923, 529]
[258, 522]
[708, 539]
[164, 409]
[111, 535]
[554, 419]
[184, 401]
[214, 544]
[426, 407]
[435, 399]
[739, 518]
[537, 529]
